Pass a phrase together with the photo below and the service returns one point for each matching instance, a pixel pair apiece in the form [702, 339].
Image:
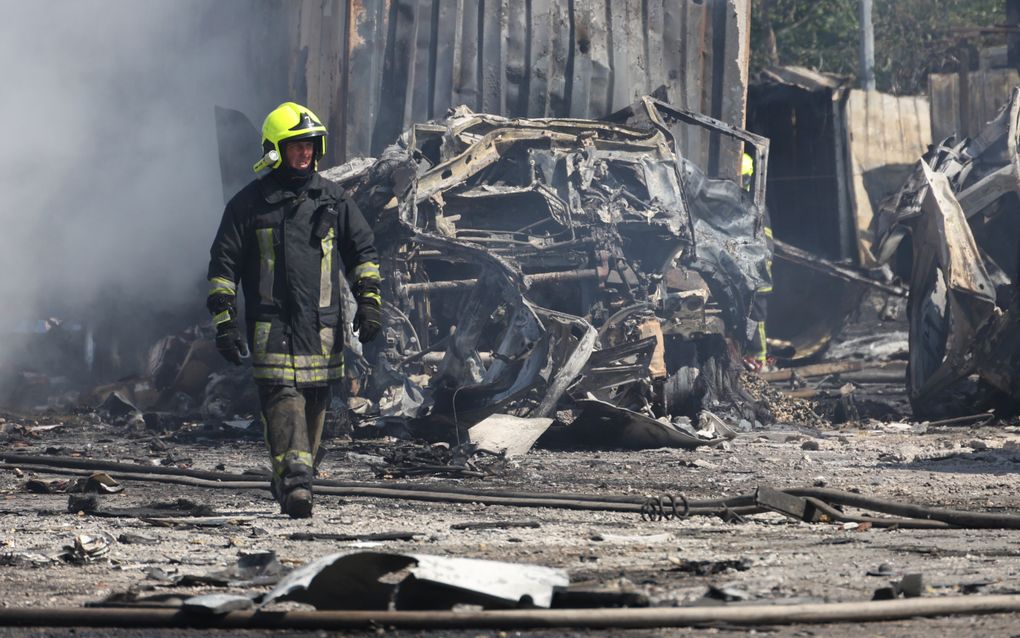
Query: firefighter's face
[299, 154]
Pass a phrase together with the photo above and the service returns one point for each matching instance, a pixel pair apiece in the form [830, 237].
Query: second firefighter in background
[756, 352]
[285, 238]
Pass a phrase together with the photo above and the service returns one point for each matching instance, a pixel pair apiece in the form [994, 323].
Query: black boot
[296, 490]
[297, 503]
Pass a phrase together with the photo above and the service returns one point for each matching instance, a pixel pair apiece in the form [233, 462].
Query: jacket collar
[273, 193]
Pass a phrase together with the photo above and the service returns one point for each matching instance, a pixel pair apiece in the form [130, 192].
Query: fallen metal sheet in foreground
[217, 604]
[602, 423]
[510, 435]
[372, 580]
[853, 612]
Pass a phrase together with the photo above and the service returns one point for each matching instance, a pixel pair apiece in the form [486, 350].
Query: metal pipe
[536, 278]
[634, 618]
[867, 47]
[956, 518]
[1013, 34]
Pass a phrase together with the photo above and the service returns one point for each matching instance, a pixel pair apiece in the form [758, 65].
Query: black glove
[230, 343]
[368, 319]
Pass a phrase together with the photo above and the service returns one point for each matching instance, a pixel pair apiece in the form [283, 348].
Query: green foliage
[912, 37]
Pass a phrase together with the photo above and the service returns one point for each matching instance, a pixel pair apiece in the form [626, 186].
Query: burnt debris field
[672, 342]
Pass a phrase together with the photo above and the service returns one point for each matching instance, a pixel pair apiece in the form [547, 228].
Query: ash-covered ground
[768, 558]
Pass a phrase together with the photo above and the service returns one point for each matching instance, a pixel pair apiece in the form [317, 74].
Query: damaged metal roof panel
[374, 67]
[803, 78]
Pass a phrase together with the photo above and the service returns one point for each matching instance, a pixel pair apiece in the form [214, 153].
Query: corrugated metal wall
[377, 66]
[964, 104]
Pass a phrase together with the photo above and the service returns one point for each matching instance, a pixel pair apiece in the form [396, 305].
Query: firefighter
[756, 353]
[283, 238]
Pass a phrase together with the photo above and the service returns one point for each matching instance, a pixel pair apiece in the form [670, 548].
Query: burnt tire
[929, 314]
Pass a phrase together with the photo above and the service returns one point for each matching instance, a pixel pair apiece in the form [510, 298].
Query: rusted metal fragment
[602, 424]
[795, 507]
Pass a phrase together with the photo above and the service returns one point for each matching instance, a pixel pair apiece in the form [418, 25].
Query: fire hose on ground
[808, 504]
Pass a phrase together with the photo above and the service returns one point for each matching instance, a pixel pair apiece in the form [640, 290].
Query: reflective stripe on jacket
[286, 249]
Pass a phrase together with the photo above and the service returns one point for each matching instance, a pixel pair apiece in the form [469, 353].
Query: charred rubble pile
[579, 273]
[575, 270]
[959, 211]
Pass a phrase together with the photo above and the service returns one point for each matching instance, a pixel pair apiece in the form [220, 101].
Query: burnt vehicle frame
[958, 208]
[514, 250]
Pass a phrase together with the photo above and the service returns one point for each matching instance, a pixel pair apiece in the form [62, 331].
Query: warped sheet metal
[602, 424]
[518, 248]
[958, 208]
[508, 435]
[375, 580]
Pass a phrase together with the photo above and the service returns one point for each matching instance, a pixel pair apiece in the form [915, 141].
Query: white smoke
[109, 169]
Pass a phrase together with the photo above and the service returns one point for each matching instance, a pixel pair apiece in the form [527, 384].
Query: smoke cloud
[111, 181]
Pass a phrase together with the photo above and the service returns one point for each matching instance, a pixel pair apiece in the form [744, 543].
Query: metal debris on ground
[408, 459]
[88, 548]
[250, 570]
[121, 412]
[24, 559]
[508, 435]
[216, 604]
[367, 537]
[374, 580]
[601, 424]
[709, 567]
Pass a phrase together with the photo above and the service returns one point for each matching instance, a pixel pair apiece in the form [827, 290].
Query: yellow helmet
[289, 121]
[746, 165]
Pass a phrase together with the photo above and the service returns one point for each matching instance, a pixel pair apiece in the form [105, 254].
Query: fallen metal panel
[959, 301]
[603, 424]
[508, 435]
[373, 580]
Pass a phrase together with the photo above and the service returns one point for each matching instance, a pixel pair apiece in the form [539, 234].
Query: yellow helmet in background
[287, 122]
[746, 165]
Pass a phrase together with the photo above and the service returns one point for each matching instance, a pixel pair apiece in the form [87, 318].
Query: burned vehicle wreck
[572, 269]
[959, 210]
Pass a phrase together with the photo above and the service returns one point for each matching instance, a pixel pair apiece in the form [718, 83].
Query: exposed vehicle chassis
[544, 267]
